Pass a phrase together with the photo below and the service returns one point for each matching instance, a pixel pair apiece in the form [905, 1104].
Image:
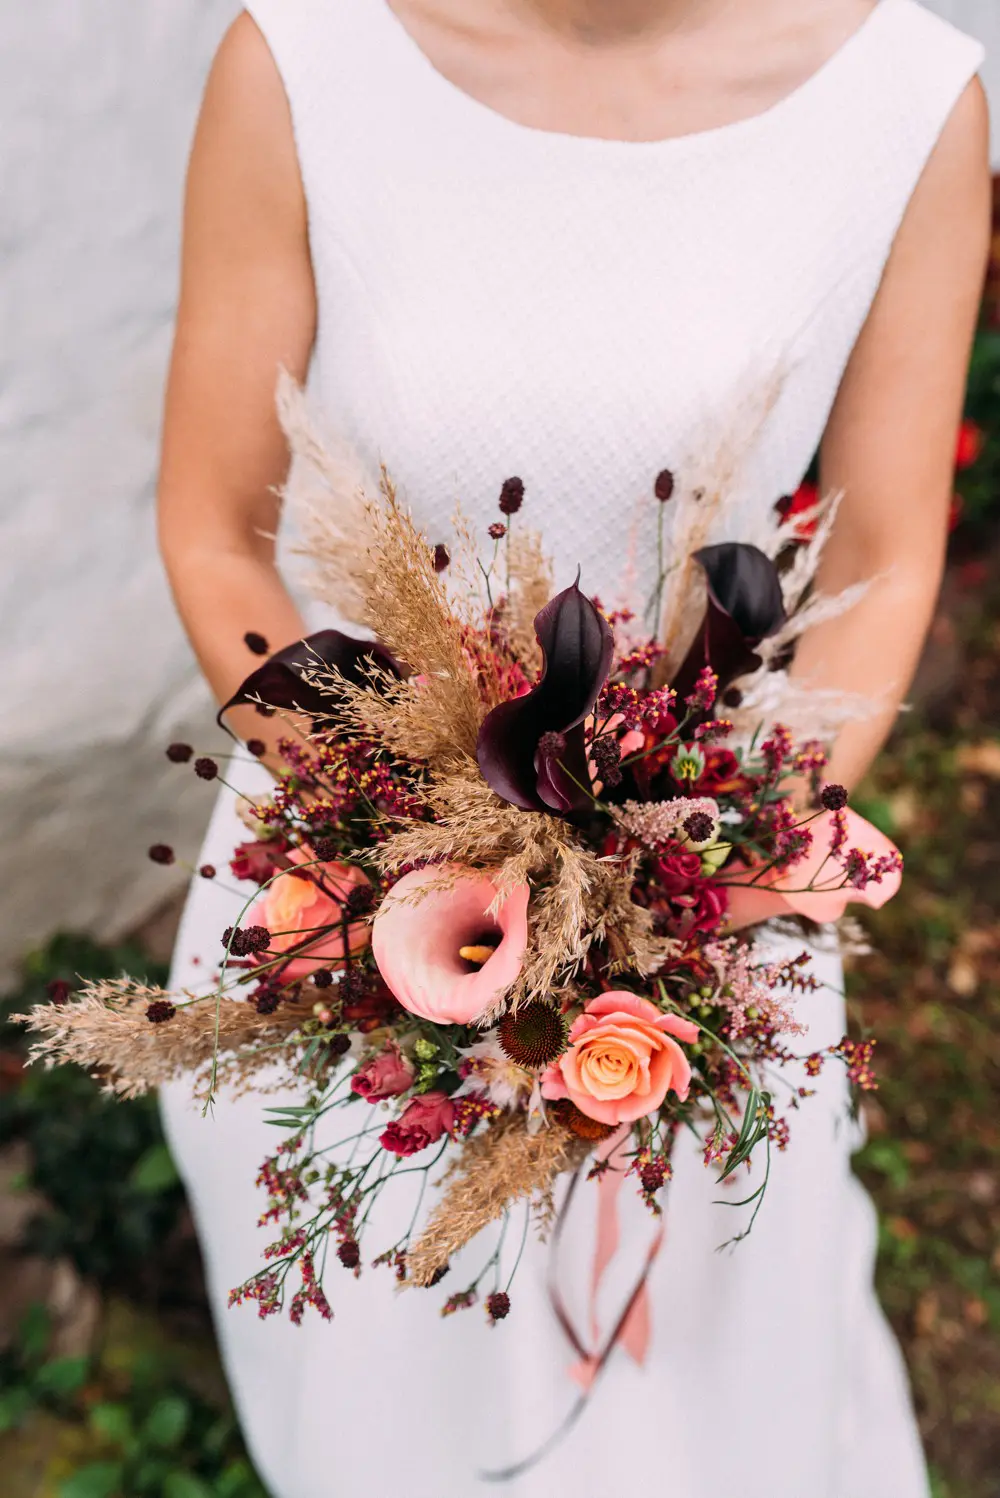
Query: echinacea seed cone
[533, 1035]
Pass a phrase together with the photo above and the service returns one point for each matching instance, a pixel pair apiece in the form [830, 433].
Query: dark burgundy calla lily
[744, 607]
[280, 682]
[532, 750]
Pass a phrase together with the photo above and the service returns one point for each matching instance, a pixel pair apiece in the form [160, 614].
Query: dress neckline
[410, 54]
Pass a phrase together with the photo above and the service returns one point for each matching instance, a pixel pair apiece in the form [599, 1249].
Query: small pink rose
[425, 924]
[296, 904]
[622, 1059]
[777, 893]
[386, 1075]
[422, 1122]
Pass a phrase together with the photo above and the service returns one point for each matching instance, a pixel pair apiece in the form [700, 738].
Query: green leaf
[33, 1333]
[14, 1405]
[63, 1376]
[167, 1421]
[154, 1172]
[113, 1422]
[186, 1485]
[97, 1480]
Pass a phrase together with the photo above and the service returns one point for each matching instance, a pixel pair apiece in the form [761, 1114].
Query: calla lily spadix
[426, 922]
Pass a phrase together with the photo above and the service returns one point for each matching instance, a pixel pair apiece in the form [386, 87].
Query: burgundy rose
[257, 861]
[386, 1075]
[693, 902]
[422, 1122]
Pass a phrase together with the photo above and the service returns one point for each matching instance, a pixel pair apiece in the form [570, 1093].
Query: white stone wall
[97, 104]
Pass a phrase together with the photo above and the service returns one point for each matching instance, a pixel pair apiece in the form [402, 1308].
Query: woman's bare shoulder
[244, 164]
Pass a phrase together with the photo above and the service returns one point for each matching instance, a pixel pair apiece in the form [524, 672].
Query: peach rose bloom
[292, 906]
[622, 1059]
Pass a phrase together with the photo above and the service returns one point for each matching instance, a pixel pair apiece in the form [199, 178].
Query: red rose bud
[422, 1123]
[386, 1075]
[256, 861]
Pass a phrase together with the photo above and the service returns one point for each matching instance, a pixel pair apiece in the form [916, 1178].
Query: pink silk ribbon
[633, 1327]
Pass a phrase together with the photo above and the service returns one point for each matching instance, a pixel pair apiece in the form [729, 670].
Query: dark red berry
[205, 768]
[207, 871]
[339, 1045]
[349, 1254]
[699, 826]
[58, 990]
[325, 849]
[359, 901]
[323, 978]
[664, 486]
[442, 556]
[833, 797]
[511, 496]
[498, 1305]
[159, 1011]
[255, 642]
[497, 531]
[179, 753]
[161, 853]
[257, 748]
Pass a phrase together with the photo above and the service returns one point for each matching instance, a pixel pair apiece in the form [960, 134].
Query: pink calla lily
[780, 893]
[426, 920]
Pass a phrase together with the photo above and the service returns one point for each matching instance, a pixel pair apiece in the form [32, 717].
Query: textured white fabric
[494, 300]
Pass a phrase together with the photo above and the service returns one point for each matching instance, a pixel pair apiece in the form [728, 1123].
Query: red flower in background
[971, 441]
[805, 498]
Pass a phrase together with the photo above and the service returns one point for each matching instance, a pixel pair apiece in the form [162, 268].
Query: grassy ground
[931, 993]
[109, 1383]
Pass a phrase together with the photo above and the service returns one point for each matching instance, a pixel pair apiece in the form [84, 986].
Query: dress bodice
[496, 299]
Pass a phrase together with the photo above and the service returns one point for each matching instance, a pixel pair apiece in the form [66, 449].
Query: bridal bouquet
[498, 889]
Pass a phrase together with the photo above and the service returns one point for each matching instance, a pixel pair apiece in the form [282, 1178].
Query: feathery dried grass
[531, 586]
[105, 1031]
[503, 1166]
[327, 499]
[709, 478]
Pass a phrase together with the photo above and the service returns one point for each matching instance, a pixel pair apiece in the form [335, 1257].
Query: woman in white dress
[562, 239]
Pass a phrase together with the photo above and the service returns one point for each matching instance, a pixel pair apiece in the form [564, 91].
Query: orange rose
[622, 1059]
[294, 905]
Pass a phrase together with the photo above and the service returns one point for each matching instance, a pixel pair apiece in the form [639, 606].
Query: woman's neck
[603, 22]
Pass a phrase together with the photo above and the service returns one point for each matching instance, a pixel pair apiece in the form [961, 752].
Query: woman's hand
[247, 307]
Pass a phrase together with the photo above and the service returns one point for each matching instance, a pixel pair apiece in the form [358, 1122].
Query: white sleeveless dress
[493, 300]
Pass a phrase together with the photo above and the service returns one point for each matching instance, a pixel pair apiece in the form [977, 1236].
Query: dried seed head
[533, 1035]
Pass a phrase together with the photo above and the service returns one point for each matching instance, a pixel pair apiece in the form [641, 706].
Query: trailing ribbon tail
[632, 1328]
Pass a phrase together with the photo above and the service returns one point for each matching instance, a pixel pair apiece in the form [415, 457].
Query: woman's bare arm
[247, 306]
[890, 443]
